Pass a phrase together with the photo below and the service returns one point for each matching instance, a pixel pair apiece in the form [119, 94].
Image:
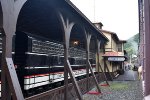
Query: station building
[113, 56]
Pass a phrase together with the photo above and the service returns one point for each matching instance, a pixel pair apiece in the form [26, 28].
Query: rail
[58, 93]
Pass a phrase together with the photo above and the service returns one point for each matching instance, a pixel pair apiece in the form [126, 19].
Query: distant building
[113, 56]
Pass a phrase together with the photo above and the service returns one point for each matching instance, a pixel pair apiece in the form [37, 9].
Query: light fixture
[75, 42]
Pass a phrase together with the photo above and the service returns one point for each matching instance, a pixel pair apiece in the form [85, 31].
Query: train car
[39, 62]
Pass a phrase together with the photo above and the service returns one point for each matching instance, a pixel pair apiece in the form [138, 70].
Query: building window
[119, 47]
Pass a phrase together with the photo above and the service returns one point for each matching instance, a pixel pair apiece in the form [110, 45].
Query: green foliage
[128, 48]
[127, 45]
[132, 44]
[136, 38]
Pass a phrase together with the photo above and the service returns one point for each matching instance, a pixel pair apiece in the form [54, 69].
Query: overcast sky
[119, 16]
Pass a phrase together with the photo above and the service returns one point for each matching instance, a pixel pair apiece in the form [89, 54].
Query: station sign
[116, 58]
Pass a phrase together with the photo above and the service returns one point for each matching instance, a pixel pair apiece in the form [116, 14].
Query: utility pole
[94, 10]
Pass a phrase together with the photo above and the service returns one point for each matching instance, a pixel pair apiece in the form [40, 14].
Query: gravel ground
[118, 90]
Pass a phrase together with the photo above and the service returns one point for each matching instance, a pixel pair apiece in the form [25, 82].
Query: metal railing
[58, 93]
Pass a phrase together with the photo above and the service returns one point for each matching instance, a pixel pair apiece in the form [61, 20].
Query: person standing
[140, 70]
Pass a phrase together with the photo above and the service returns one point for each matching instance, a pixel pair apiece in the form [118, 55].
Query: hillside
[132, 45]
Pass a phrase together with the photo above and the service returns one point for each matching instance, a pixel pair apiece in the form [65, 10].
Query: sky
[119, 16]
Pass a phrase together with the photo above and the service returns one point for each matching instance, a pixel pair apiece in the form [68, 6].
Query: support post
[103, 73]
[13, 83]
[87, 74]
[10, 83]
[8, 71]
[74, 81]
[66, 73]
[105, 65]
[4, 82]
[95, 80]
[67, 68]
[88, 62]
[99, 65]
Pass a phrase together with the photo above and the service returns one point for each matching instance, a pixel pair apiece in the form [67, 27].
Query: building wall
[109, 65]
[108, 45]
[114, 45]
[111, 46]
[101, 60]
[122, 47]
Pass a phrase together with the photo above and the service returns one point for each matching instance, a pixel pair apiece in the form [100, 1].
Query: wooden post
[99, 65]
[10, 83]
[105, 65]
[87, 71]
[95, 80]
[8, 70]
[88, 62]
[4, 82]
[79, 94]
[65, 73]
[67, 68]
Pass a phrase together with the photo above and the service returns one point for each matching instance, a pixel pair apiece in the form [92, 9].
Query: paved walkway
[125, 87]
[129, 75]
